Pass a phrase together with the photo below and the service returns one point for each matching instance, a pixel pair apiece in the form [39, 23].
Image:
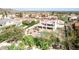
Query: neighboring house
[73, 17]
[75, 25]
[7, 22]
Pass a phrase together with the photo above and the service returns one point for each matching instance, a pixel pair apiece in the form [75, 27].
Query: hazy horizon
[47, 9]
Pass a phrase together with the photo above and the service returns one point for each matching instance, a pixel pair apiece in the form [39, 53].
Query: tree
[64, 18]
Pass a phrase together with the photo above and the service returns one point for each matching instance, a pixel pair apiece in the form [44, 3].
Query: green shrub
[25, 22]
[28, 40]
[21, 46]
[42, 43]
[10, 32]
[12, 47]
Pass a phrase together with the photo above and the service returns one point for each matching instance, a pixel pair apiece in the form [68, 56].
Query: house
[51, 24]
[75, 26]
[73, 17]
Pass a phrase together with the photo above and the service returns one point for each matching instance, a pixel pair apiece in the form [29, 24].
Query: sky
[47, 9]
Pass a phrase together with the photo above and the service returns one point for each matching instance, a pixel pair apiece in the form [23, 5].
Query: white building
[73, 17]
[51, 24]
